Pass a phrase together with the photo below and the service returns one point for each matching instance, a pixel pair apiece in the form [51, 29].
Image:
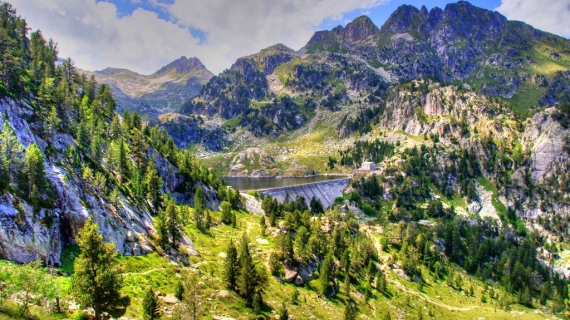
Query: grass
[526, 98]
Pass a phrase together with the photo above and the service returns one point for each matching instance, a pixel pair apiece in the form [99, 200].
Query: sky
[144, 35]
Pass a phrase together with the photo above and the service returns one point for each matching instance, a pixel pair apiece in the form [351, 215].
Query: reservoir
[247, 183]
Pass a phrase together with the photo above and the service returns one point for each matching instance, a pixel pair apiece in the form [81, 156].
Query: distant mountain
[163, 91]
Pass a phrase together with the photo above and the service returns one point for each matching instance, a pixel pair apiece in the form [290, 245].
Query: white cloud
[95, 36]
[551, 16]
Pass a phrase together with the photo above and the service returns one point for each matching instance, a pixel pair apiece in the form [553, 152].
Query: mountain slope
[160, 92]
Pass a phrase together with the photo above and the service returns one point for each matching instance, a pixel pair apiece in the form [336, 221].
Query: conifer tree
[231, 266]
[173, 222]
[96, 282]
[226, 212]
[150, 305]
[152, 184]
[161, 227]
[350, 311]
[326, 275]
[250, 280]
[34, 169]
[10, 149]
[199, 208]
[283, 312]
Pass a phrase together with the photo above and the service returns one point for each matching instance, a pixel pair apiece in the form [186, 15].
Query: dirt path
[142, 273]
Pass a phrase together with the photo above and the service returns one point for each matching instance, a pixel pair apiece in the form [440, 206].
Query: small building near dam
[368, 166]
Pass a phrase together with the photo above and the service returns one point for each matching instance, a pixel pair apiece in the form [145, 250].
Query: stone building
[368, 166]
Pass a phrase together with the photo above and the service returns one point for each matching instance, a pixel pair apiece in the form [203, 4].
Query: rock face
[189, 130]
[545, 139]
[26, 235]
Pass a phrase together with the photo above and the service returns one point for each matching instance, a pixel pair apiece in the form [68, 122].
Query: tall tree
[226, 212]
[152, 184]
[150, 305]
[250, 280]
[199, 208]
[10, 149]
[326, 276]
[34, 169]
[173, 222]
[192, 306]
[96, 281]
[231, 266]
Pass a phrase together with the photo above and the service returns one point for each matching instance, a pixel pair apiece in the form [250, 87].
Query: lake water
[247, 183]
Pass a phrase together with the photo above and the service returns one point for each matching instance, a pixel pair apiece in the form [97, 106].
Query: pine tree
[173, 222]
[150, 305]
[250, 280]
[179, 290]
[226, 212]
[96, 282]
[231, 266]
[350, 311]
[161, 227]
[199, 208]
[326, 275]
[10, 149]
[295, 297]
[347, 285]
[381, 282]
[34, 168]
[283, 312]
[152, 184]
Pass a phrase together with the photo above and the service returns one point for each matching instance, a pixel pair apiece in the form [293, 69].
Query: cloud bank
[97, 35]
[552, 15]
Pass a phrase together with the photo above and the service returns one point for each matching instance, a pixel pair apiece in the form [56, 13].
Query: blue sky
[144, 35]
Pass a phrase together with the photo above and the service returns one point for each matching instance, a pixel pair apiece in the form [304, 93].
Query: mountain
[163, 91]
[351, 70]
[465, 114]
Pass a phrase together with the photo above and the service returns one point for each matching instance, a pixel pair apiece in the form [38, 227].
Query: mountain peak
[405, 18]
[182, 66]
[359, 29]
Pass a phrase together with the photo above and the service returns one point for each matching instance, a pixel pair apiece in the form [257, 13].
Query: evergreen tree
[173, 222]
[231, 266]
[199, 208]
[350, 311]
[381, 282]
[191, 306]
[152, 185]
[316, 206]
[250, 280]
[150, 305]
[161, 227]
[179, 290]
[96, 282]
[295, 297]
[226, 212]
[283, 312]
[326, 275]
[34, 169]
[10, 149]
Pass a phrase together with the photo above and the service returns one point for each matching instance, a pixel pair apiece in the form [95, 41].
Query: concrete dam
[325, 191]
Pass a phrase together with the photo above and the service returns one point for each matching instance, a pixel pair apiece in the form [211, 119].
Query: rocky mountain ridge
[163, 91]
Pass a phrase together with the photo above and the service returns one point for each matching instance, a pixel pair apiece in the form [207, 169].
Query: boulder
[169, 299]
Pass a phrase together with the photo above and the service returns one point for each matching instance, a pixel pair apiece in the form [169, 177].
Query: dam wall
[325, 191]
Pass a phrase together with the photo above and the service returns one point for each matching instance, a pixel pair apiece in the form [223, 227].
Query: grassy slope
[435, 301]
